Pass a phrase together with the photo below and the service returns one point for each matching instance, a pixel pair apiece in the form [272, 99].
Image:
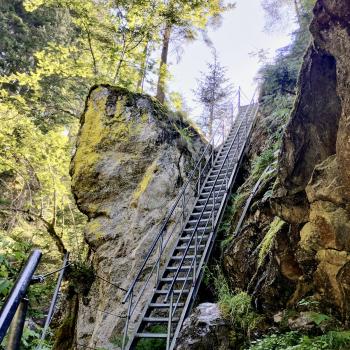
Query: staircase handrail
[172, 209]
[211, 191]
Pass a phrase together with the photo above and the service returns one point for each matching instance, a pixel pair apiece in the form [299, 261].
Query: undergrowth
[236, 307]
[333, 340]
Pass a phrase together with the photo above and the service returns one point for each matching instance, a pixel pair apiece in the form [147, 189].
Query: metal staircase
[171, 275]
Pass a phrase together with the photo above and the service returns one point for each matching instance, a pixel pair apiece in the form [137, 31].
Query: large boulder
[205, 329]
[131, 159]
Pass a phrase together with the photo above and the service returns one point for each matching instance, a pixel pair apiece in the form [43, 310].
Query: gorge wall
[309, 255]
[129, 164]
[314, 173]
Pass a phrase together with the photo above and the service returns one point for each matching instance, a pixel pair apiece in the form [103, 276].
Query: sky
[241, 33]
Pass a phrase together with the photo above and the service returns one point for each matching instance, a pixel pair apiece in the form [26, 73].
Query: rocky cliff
[314, 173]
[309, 256]
[132, 156]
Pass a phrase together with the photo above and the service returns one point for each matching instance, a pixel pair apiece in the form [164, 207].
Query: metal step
[178, 279]
[174, 268]
[208, 207]
[151, 335]
[200, 230]
[175, 291]
[187, 238]
[179, 257]
[159, 319]
[164, 305]
[202, 222]
[214, 181]
[190, 247]
[204, 215]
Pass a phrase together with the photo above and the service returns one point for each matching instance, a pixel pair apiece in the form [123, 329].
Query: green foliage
[269, 238]
[235, 307]
[319, 318]
[333, 340]
[261, 162]
[308, 303]
[214, 94]
[185, 133]
[31, 339]
[276, 341]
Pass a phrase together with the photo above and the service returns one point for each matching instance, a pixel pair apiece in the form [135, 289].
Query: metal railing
[13, 312]
[173, 222]
[226, 169]
[149, 273]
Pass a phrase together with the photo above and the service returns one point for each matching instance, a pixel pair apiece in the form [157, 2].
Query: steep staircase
[175, 283]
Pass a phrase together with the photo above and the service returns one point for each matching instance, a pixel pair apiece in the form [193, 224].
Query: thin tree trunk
[163, 62]
[211, 122]
[143, 69]
[297, 12]
[94, 62]
[120, 60]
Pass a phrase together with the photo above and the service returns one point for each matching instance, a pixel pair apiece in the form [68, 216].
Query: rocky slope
[131, 158]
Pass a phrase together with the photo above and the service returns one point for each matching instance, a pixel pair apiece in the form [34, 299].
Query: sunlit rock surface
[129, 165]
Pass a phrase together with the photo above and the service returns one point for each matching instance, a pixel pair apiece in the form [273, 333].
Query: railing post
[239, 97]
[213, 216]
[183, 209]
[195, 258]
[170, 321]
[16, 329]
[159, 258]
[54, 300]
[125, 336]
[199, 180]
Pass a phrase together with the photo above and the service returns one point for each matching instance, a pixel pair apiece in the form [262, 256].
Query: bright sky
[240, 34]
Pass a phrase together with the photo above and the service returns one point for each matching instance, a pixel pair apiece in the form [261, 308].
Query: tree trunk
[163, 62]
[297, 12]
[143, 69]
[211, 122]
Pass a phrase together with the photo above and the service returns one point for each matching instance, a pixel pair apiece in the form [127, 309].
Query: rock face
[129, 164]
[205, 329]
[314, 173]
[310, 256]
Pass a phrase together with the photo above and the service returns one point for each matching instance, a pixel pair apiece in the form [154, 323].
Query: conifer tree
[214, 92]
